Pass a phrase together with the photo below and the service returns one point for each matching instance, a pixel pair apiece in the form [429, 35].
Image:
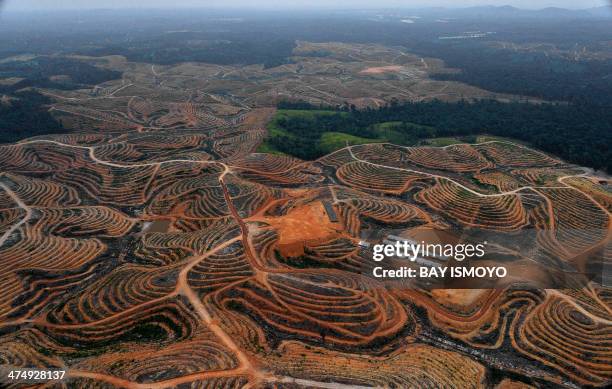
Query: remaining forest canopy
[546, 54]
[24, 116]
[530, 73]
[39, 71]
[191, 47]
[23, 111]
[578, 133]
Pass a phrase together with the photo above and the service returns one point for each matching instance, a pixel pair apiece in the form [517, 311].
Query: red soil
[305, 224]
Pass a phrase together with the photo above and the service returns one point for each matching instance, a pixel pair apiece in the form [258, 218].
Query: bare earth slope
[154, 248]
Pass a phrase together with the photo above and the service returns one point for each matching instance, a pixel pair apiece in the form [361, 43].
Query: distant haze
[284, 4]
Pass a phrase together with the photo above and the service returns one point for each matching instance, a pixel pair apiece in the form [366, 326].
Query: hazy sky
[277, 4]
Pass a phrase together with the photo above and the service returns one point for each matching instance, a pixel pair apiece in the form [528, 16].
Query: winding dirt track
[92, 155]
[21, 205]
[246, 367]
[511, 192]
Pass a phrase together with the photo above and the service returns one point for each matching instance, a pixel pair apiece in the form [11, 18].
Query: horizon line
[295, 7]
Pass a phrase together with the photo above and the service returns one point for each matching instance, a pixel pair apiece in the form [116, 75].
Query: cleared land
[155, 247]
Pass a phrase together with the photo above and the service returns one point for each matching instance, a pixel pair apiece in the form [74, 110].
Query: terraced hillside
[153, 247]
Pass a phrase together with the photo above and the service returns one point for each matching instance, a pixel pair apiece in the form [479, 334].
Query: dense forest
[548, 70]
[191, 47]
[24, 112]
[26, 115]
[577, 133]
[37, 72]
[529, 73]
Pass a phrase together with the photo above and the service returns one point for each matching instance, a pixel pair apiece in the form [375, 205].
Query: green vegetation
[533, 59]
[576, 132]
[402, 133]
[534, 73]
[26, 115]
[312, 133]
[38, 72]
[331, 141]
[265, 147]
[176, 47]
[294, 132]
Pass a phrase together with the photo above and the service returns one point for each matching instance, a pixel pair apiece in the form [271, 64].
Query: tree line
[578, 133]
